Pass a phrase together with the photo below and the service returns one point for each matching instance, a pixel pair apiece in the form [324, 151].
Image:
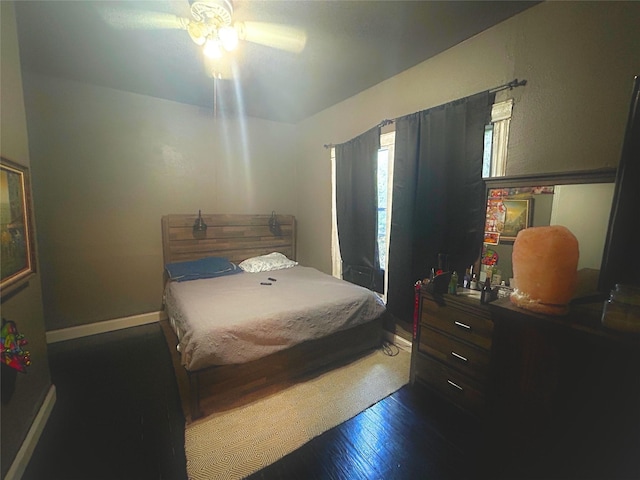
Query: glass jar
[622, 309]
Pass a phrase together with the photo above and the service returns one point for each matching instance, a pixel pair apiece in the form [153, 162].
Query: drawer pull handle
[455, 385]
[459, 357]
[462, 325]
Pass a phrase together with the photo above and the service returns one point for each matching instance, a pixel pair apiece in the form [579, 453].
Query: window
[488, 146]
[385, 196]
[496, 139]
[336, 259]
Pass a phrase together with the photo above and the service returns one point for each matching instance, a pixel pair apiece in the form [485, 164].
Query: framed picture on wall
[517, 217]
[505, 218]
[17, 252]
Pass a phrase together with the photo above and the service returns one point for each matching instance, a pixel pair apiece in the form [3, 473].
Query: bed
[238, 333]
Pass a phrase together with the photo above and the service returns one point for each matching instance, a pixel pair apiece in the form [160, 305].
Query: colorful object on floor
[11, 343]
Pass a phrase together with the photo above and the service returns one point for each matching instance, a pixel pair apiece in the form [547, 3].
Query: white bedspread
[235, 319]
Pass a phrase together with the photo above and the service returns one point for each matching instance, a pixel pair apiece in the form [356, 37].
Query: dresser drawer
[467, 359]
[469, 327]
[451, 384]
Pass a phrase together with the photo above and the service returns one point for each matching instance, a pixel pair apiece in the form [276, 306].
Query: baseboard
[70, 333]
[397, 340]
[23, 456]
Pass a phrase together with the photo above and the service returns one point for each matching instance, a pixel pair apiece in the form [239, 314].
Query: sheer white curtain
[336, 259]
[501, 119]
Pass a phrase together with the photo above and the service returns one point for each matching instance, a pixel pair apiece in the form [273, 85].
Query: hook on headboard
[274, 225]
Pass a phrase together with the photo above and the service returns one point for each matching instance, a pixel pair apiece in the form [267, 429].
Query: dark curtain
[357, 209]
[438, 194]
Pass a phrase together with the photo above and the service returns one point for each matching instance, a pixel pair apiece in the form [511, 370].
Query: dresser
[565, 379]
[557, 396]
[452, 348]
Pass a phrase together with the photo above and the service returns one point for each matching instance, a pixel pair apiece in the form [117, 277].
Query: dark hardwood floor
[117, 413]
[408, 435]
[118, 416]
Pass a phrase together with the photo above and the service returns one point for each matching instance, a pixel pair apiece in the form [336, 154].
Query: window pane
[486, 157]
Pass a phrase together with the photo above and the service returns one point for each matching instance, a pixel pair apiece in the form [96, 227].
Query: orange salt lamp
[545, 269]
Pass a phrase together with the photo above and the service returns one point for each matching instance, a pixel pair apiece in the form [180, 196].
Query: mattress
[236, 319]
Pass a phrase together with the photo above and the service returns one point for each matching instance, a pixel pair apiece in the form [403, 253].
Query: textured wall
[23, 394]
[579, 59]
[108, 164]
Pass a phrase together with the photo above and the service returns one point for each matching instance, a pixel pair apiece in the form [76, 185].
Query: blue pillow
[208, 267]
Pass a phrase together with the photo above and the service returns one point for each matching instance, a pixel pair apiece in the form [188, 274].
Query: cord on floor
[389, 348]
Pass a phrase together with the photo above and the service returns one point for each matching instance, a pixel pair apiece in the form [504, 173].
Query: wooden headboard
[235, 237]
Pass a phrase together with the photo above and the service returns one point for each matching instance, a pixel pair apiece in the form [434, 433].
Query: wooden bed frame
[238, 237]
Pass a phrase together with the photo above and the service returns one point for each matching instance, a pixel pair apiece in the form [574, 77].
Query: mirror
[618, 197]
[621, 261]
[581, 201]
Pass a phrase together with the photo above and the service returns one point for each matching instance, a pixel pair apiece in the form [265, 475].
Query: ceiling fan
[210, 26]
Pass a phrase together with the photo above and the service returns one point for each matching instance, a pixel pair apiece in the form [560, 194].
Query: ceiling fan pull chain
[215, 97]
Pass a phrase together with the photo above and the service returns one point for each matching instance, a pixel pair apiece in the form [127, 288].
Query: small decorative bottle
[473, 284]
[485, 295]
[453, 284]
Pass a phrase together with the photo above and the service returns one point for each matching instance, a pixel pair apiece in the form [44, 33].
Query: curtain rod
[507, 86]
[383, 123]
[511, 85]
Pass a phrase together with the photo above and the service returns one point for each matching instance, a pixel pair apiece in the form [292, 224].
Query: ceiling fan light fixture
[212, 48]
[213, 11]
[198, 32]
[228, 37]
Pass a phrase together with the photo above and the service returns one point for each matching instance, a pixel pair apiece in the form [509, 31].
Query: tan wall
[109, 164]
[579, 59]
[25, 306]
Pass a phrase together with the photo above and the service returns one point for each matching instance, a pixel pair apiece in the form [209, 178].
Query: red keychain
[416, 307]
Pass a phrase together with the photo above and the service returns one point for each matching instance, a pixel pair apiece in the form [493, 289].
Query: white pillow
[266, 263]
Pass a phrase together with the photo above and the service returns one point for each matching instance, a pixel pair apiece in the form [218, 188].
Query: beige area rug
[238, 442]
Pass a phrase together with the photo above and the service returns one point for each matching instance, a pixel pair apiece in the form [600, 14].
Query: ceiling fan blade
[282, 37]
[128, 19]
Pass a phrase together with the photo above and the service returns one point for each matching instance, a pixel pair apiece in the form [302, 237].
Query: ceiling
[351, 46]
